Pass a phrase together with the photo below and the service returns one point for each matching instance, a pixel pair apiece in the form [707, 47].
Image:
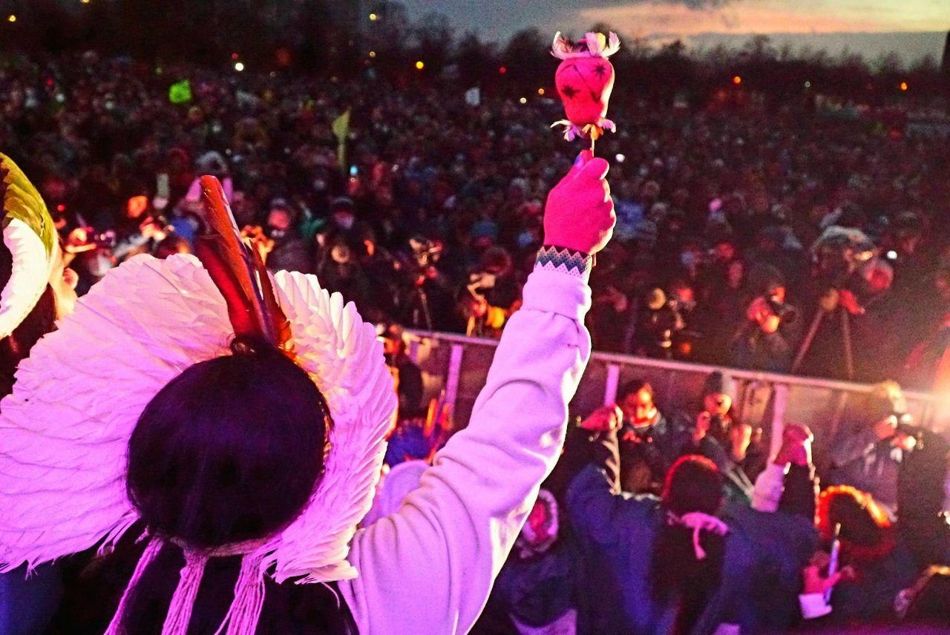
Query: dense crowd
[665, 521]
[791, 240]
[788, 240]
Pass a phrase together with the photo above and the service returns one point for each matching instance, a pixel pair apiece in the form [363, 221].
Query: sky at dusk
[912, 28]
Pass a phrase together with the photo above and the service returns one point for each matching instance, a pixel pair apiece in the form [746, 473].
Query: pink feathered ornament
[584, 80]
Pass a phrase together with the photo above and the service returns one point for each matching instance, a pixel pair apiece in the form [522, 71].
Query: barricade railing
[455, 366]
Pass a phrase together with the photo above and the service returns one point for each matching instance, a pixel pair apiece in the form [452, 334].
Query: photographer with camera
[715, 433]
[648, 442]
[421, 291]
[491, 295]
[766, 339]
[849, 284]
[903, 466]
[657, 323]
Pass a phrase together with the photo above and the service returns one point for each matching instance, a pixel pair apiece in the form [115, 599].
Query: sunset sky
[912, 28]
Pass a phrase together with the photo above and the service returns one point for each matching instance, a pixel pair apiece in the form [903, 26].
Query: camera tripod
[820, 316]
[830, 308]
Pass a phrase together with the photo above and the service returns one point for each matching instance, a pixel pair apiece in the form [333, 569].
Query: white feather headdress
[64, 431]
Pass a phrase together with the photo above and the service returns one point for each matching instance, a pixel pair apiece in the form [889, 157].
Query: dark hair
[693, 484]
[40, 321]
[676, 576]
[866, 531]
[230, 449]
[635, 386]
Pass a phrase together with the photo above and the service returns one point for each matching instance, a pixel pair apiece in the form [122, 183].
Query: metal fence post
[611, 383]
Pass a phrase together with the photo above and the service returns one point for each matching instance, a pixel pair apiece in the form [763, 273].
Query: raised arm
[429, 567]
[789, 483]
[599, 511]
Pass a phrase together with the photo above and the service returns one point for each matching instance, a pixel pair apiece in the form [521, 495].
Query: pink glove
[579, 213]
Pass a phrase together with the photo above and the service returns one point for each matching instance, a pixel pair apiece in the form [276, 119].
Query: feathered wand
[584, 80]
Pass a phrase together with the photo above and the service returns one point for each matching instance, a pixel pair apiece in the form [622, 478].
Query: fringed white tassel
[179, 611]
[150, 553]
[698, 522]
[245, 611]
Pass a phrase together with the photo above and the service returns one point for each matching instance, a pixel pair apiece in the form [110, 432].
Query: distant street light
[904, 87]
[420, 65]
[736, 80]
[11, 18]
[239, 66]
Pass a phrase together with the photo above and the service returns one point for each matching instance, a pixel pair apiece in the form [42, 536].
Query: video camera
[84, 239]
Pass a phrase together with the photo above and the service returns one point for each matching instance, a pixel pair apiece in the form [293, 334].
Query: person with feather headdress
[227, 431]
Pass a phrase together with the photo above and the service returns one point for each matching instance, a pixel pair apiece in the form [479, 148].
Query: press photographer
[766, 339]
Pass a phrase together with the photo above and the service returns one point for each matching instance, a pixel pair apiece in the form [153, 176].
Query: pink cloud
[648, 19]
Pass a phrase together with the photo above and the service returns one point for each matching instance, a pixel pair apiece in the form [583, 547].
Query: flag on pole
[341, 129]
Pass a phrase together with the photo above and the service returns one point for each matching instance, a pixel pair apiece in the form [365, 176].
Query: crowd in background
[736, 226]
[660, 520]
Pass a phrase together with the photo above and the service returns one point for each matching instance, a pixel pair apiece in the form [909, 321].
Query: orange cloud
[757, 17]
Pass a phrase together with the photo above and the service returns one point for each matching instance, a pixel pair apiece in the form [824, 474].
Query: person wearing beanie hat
[719, 392]
[720, 387]
[686, 562]
[732, 445]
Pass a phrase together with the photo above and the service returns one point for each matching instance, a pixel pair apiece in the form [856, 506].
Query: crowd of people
[736, 230]
[783, 241]
[613, 543]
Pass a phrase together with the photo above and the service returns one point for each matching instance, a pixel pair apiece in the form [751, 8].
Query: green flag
[180, 92]
[341, 129]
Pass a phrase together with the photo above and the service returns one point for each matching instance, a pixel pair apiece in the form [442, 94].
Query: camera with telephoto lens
[87, 239]
[905, 426]
[785, 312]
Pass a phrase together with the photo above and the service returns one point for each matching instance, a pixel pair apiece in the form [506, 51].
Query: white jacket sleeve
[769, 487]
[429, 567]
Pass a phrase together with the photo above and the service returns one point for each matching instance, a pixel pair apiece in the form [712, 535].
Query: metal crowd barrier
[454, 368]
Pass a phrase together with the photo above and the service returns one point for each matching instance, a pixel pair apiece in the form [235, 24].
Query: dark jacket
[869, 464]
[764, 554]
[534, 590]
[94, 586]
[647, 453]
